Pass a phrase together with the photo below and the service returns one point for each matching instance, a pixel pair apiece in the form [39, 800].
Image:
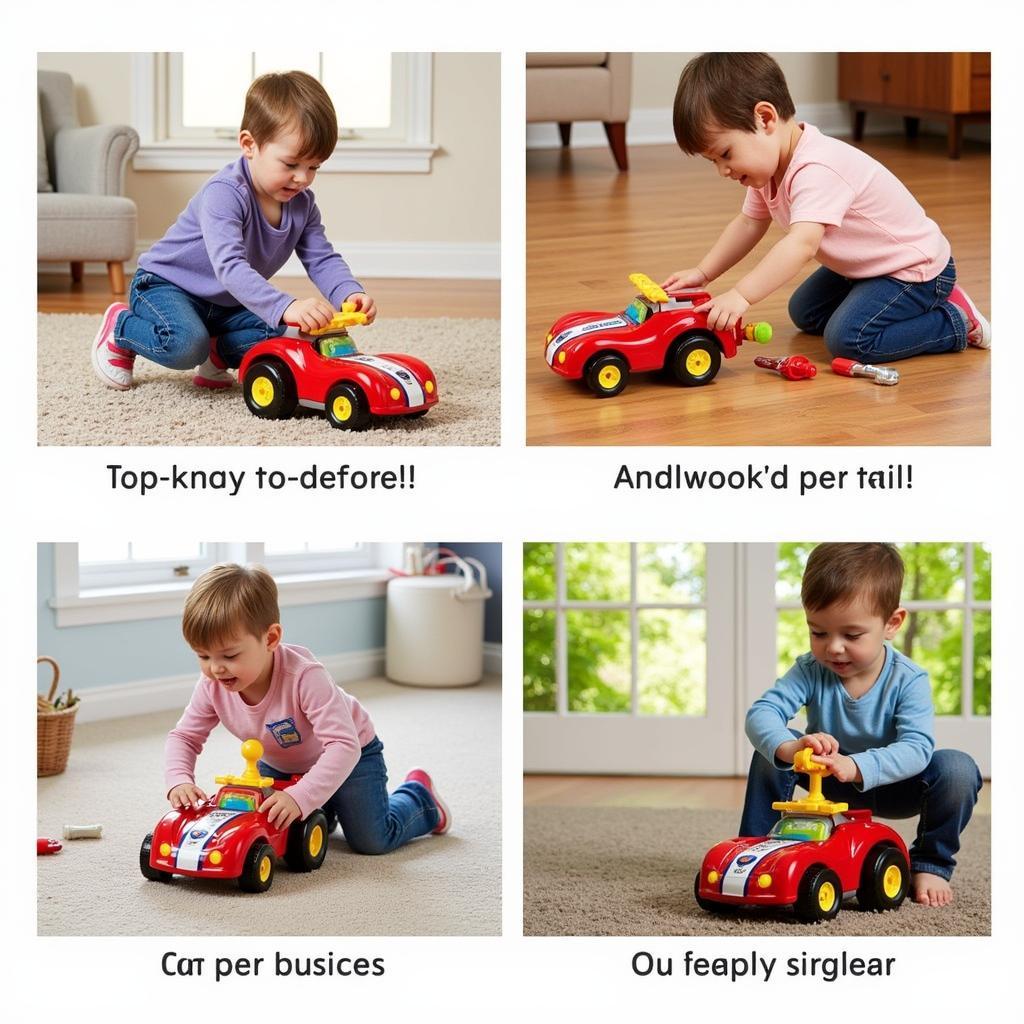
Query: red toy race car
[228, 837]
[656, 331]
[323, 370]
[818, 853]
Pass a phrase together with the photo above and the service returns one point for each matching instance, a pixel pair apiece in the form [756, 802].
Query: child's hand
[682, 279]
[724, 310]
[364, 304]
[185, 796]
[842, 767]
[280, 809]
[819, 742]
[309, 314]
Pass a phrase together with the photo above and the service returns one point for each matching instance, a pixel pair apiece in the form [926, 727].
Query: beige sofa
[567, 87]
[81, 212]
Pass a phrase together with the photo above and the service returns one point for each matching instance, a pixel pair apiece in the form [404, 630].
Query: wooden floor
[651, 791]
[589, 227]
[394, 297]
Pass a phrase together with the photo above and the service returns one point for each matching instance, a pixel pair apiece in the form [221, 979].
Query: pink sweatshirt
[874, 227]
[307, 726]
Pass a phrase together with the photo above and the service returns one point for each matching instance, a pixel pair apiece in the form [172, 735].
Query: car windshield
[233, 800]
[810, 829]
[638, 310]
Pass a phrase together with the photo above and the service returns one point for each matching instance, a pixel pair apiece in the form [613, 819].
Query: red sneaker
[979, 330]
[420, 776]
[113, 364]
[214, 372]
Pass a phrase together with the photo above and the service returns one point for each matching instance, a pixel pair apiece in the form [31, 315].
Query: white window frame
[152, 84]
[302, 579]
[630, 742]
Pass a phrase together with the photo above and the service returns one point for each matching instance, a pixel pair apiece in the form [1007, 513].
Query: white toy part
[435, 624]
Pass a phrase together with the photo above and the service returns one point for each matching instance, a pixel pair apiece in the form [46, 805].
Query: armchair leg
[565, 129]
[115, 271]
[616, 132]
[77, 269]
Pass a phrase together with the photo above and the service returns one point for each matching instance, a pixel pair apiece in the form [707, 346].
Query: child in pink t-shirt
[887, 285]
[257, 686]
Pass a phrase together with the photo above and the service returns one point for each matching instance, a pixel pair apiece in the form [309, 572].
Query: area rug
[630, 871]
[74, 408]
[435, 885]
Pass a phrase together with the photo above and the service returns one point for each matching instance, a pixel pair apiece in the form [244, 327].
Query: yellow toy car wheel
[269, 390]
[307, 843]
[694, 359]
[346, 407]
[820, 895]
[607, 375]
[258, 870]
[884, 879]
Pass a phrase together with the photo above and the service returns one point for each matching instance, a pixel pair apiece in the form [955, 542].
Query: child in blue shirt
[869, 717]
[201, 296]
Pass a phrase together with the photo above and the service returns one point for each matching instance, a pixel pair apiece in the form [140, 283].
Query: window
[947, 592]
[114, 582]
[615, 628]
[188, 106]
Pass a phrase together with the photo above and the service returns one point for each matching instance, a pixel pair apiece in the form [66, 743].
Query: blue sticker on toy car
[285, 732]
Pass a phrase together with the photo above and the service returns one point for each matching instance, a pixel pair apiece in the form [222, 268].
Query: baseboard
[423, 260]
[652, 126]
[123, 700]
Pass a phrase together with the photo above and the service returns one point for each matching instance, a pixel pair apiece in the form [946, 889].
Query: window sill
[159, 601]
[349, 157]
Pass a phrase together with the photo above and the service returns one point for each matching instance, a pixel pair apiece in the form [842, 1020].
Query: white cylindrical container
[435, 630]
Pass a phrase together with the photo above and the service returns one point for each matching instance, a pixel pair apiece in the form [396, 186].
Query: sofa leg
[616, 132]
[77, 269]
[564, 130]
[115, 271]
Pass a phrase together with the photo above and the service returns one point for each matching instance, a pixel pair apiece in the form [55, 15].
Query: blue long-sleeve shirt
[888, 731]
[222, 249]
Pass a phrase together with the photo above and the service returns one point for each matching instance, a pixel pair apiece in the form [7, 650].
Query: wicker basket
[53, 730]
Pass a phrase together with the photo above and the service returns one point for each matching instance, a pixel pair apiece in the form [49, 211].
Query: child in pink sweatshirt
[258, 686]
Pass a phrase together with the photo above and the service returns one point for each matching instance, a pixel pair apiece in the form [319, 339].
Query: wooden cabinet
[950, 87]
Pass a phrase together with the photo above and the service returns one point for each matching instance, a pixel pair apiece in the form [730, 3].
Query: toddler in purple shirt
[201, 296]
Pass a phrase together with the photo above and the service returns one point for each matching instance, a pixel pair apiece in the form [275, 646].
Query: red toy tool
[879, 374]
[790, 367]
[44, 845]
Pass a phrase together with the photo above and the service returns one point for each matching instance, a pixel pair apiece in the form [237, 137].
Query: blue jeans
[880, 319]
[173, 328]
[944, 795]
[373, 821]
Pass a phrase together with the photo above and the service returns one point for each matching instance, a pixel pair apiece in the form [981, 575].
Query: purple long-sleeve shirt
[222, 249]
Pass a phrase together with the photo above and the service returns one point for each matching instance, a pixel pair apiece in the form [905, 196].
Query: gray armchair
[82, 214]
[567, 87]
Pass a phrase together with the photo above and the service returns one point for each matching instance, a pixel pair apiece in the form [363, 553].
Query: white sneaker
[214, 372]
[113, 364]
[979, 330]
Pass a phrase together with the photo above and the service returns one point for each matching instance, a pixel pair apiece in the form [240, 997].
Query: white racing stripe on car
[734, 881]
[574, 332]
[190, 850]
[401, 375]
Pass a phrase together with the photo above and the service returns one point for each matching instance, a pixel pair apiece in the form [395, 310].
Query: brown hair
[278, 101]
[838, 573]
[226, 599]
[720, 90]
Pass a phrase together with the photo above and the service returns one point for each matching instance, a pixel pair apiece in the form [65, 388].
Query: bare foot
[931, 890]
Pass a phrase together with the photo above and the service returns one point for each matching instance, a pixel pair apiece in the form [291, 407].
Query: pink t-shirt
[307, 726]
[874, 227]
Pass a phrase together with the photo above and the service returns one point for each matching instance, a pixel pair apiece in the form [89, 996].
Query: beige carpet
[435, 885]
[165, 409]
[629, 871]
